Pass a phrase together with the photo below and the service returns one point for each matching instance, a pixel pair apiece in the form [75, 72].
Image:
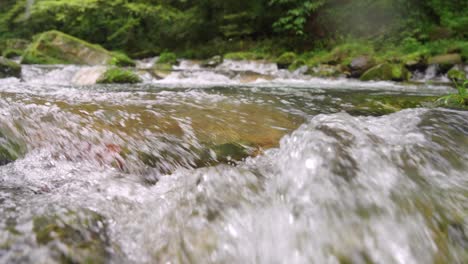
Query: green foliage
[410, 45]
[167, 58]
[460, 99]
[297, 64]
[341, 54]
[286, 58]
[296, 14]
[456, 75]
[121, 59]
[204, 28]
[117, 75]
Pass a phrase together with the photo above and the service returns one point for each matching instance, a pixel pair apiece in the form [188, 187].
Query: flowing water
[225, 166]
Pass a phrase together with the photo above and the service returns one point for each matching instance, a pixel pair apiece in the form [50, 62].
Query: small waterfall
[29, 5]
[431, 72]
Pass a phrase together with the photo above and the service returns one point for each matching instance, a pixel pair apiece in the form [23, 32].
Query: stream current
[202, 167]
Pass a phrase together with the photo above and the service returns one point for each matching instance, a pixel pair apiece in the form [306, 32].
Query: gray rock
[212, 62]
[360, 65]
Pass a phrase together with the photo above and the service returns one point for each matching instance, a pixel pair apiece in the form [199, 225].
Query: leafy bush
[460, 99]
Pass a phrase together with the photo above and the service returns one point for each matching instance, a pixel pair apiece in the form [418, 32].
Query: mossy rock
[326, 71]
[416, 61]
[117, 75]
[446, 61]
[161, 71]
[286, 59]
[121, 59]
[12, 53]
[360, 64]
[54, 47]
[167, 58]
[456, 74]
[400, 73]
[14, 43]
[386, 72]
[297, 64]
[9, 68]
[378, 105]
[81, 236]
[245, 55]
[212, 62]
[165, 67]
[342, 54]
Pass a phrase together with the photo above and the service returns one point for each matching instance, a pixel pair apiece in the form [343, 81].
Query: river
[230, 166]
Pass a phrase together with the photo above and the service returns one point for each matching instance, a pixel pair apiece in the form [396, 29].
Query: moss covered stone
[54, 47]
[167, 58]
[326, 71]
[456, 74]
[447, 60]
[9, 68]
[245, 55]
[387, 72]
[286, 59]
[360, 64]
[117, 75]
[121, 59]
[12, 53]
[81, 235]
[212, 62]
[297, 64]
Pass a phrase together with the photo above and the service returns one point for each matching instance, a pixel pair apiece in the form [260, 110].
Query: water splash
[330, 170]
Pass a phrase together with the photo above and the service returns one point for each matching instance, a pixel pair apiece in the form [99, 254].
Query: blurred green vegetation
[251, 28]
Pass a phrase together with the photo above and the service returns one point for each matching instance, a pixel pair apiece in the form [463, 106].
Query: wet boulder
[89, 75]
[212, 62]
[73, 237]
[446, 61]
[9, 68]
[386, 72]
[54, 47]
[118, 75]
[359, 65]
